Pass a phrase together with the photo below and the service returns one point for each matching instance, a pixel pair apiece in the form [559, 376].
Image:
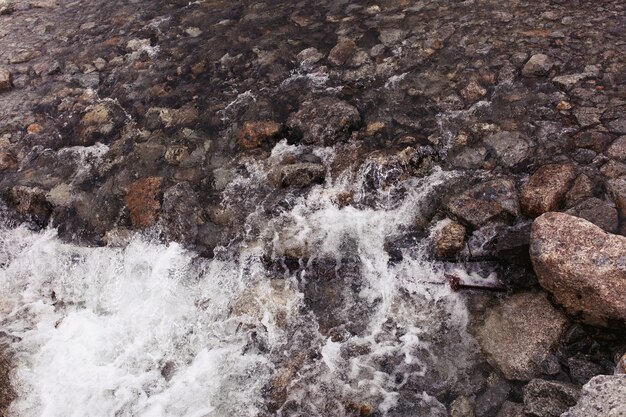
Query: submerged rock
[518, 335]
[302, 174]
[548, 398]
[489, 201]
[255, 134]
[582, 266]
[546, 189]
[602, 396]
[179, 216]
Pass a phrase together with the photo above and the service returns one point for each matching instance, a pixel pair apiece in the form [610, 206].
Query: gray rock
[603, 396]
[518, 335]
[546, 188]
[587, 116]
[493, 397]
[462, 407]
[510, 148]
[302, 175]
[548, 398]
[469, 158]
[598, 212]
[490, 201]
[324, 121]
[617, 126]
[510, 409]
[179, 213]
[617, 150]
[581, 265]
[538, 65]
[582, 369]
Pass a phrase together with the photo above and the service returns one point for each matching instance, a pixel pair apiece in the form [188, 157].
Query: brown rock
[617, 150]
[141, 200]
[255, 134]
[546, 188]
[581, 265]
[5, 80]
[7, 161]
[518, 335]
[473, 92]
[489, 201]
[342, 52]
[598, 212]
[449, 240]
[7, 394]
[30, 201]
[302, 175]
[538, 65]
[325, 121]
[617, 190]
[581, 190]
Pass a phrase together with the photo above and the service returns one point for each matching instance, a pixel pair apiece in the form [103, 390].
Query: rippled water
[149, 329]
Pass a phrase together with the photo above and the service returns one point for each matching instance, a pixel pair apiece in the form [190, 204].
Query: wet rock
[449, 239]
[473, 92]
[324, 121]
[342, 53]
[462, 407]
[302, 175]
[470, 158]
[582, 369]
[616, 188]
[31, 201]
[582, 189]
[161, 117]
[602, 396]
[255, 134]
[548, 398]
[617, 150]
[538, 65]
[495, 200]
[179, 213]
[546, 188]
[99, 124]
[7, 394]
[518, 335]
[581, 265]
[510, 409]
[512, 245]
[5, 80]
[142, 201]
[598, 212]
[493, 397]
[510, 148]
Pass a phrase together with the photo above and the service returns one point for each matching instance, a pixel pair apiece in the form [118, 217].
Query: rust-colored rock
[546, 189]
[449, 239]
[255, 134]
[581, 265]
[142, 202]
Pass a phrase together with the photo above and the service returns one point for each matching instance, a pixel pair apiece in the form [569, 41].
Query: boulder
[254, 134]
[598, 212]
[302, 175]
[581, 190]
[548, 398]
[342, 53]
[490, 201]
[449, 239]
[545, 190]
[538, 65]
[324, 121]
[603, 396]
[5, 80]
[518, 335]
[583, 266]
[142, 202]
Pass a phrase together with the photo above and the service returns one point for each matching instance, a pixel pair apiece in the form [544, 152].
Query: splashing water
[153, 330]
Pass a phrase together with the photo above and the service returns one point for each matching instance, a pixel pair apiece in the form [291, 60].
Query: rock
[617, 150]
[616, 188]
[490, 201]
[581, 265]
[161, 117]
[582, 369]
[493, 397]
[546, 188]
[582, 189]
[510, 409]
[324, 121]
[462, 407]
[255, 134]
[510, 148]
[342, 53]
[99, 124]
[613, 169]
[548, 398]
[7, 161]
[6, 7]
[473, 92]
[538, 65]
[142, 202]
[302, 175]
[7, 394]
[179, 213]
[310, 56]
[5, 80]
[587, 116]
[176, 154]
[568, 81]
[31, 201]
[518, 335]
[449, 239]
[617, 126]
[603, 396]
[598, 212]
[512, 245]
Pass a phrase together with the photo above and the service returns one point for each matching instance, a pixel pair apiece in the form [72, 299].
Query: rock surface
[449, 239]
[548, 398]
[603, 396]
[5, 80]
[490, 201]
[142, 201]
[324, 121]
[581, 265]
[546, 188]
[518, 335]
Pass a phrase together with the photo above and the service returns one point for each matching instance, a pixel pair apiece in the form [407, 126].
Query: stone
[342, 53]
[613, 169]
[142, 201]
[512, 245]
[490, 201]
[510, 409]
[462, 407]
[509, 148]
[548, 398]
[254, 134]
[5, 80]
[31, 201]
[473, 92]
[519, 334]
[6, 7]
[582, 189]
[496, 392]
[7, 161]
[7, 394]
[581, 265]
[101, 123]
[179, 213]
[587, 116]
[449, 239]
[161, 117]
[302, 175]
[568, 81]
[545, 189]
[617, 149]
[538, 65]
[598, 212]
[582, 369]
[617, 126]
[325, 121]
[176, 154]
[310, 56]
[616, 189]
[602, 396]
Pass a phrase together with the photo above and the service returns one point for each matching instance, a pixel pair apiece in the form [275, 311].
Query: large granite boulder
[583, 266]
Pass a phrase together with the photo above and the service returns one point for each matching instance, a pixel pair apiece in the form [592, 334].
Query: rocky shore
[198, 123]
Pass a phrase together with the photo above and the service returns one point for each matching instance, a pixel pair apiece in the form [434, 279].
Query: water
[149, 329]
